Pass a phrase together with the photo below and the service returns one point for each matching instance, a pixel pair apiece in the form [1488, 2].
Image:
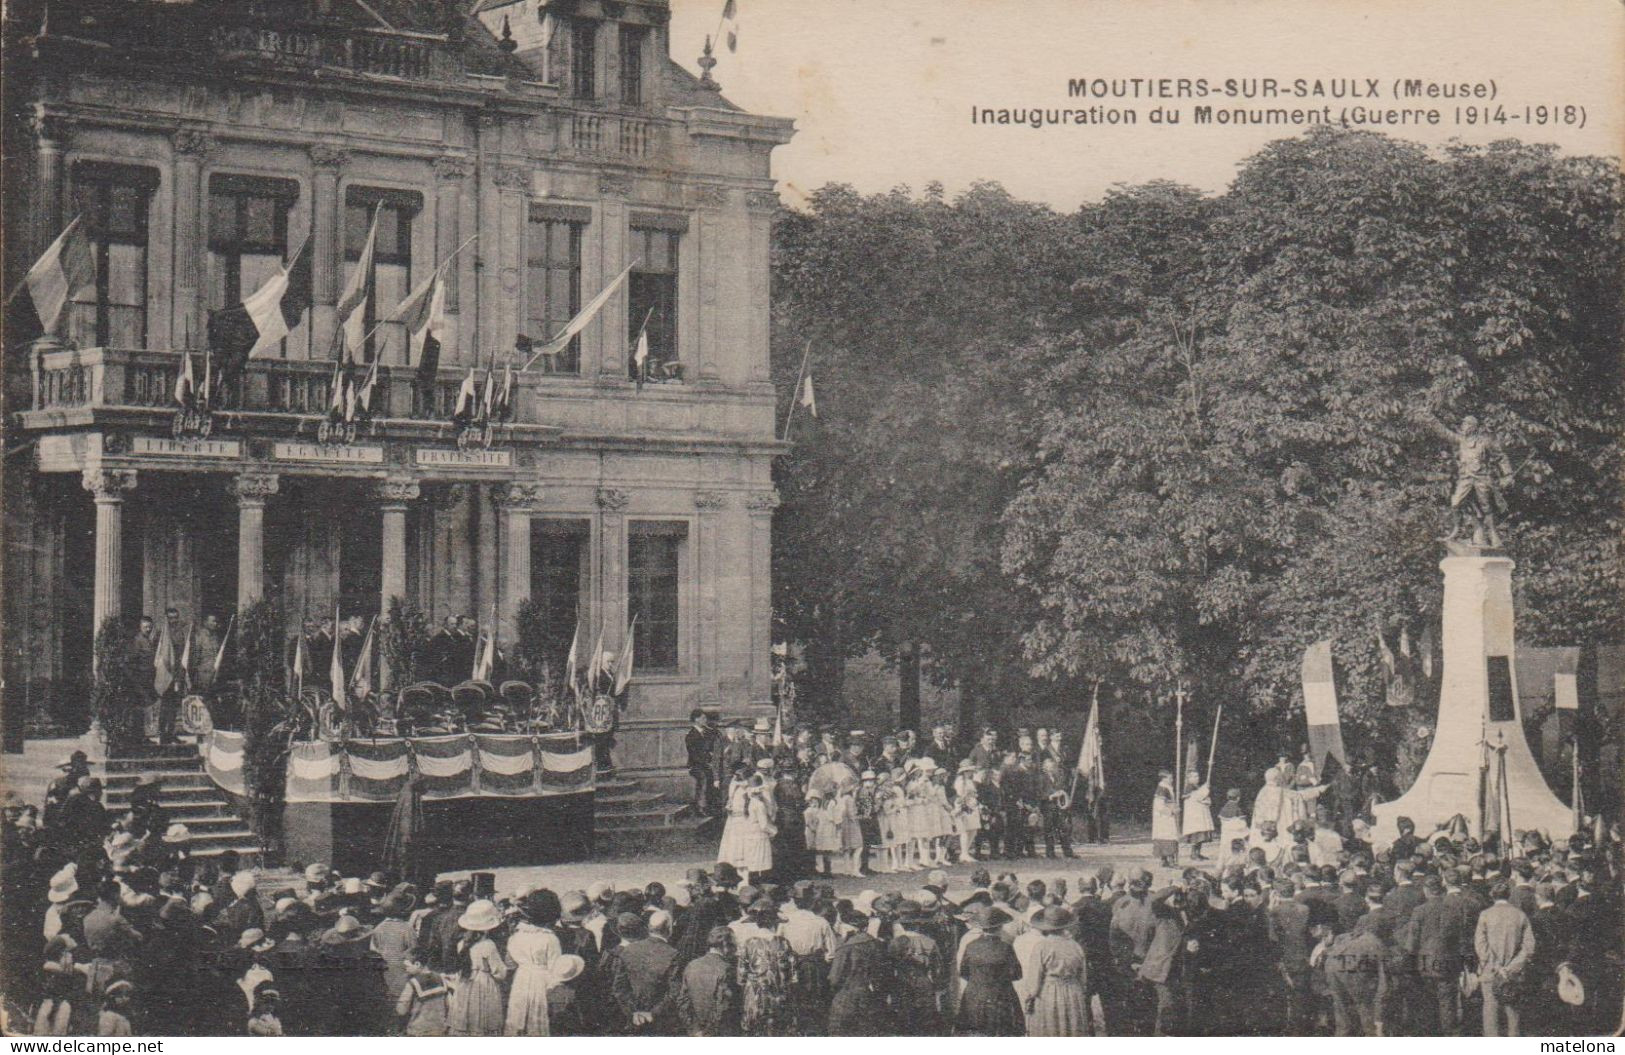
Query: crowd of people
[113, 927]
[815, 801]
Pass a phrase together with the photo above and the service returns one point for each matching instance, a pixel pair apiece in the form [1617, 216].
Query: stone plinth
[1478, 644]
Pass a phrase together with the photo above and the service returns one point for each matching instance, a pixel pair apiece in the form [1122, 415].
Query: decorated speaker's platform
[1479, 718]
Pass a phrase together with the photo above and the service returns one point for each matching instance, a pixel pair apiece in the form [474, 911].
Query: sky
[882, 91]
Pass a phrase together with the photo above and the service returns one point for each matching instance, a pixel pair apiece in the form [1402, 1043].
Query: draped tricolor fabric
[450, 767]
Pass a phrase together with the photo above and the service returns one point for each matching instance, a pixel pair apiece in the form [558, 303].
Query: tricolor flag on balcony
[265, 317]
[424, 314]
[35, 306]
[358, 294]
[467, 401]
[186, 383]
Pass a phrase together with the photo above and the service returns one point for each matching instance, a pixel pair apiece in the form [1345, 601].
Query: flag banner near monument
[1320, 705]
[1091, 764]
[1565, 681]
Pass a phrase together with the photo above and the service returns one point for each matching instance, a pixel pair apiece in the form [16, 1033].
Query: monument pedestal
[1478, 703]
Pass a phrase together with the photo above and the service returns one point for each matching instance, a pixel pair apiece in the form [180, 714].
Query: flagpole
[1179, 759]
[394, 315]
[613, 283]
[1213, 748]
[795, 393]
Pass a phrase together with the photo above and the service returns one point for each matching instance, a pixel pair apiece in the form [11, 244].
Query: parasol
[832, 776]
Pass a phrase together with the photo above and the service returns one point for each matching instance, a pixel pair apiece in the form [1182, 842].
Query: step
[204, 825]
[187, 759]
[612, 784]
[244, 848]
[170, 796]
[624, 800]
[658, 816]
[180, 811]
[168, 782]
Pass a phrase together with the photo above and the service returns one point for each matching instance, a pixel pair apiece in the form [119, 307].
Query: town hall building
[202, 142]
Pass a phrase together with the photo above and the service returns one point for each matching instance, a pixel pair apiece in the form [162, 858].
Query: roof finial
[707, 63]
[507, 43]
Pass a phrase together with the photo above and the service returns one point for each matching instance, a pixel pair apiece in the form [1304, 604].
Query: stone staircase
[625, 812]
[622, 807]
[188, 796]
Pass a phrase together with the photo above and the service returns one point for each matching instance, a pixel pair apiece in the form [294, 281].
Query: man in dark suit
[1439, 935]
[643, 973]
[321, 649]
[437, 653]
[701, 742]
[464, 643]
[1288, 922]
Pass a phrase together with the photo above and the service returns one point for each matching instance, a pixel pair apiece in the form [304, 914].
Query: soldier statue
[1483, 471]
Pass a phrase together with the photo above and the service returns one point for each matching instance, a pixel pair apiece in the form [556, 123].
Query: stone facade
[319, 105]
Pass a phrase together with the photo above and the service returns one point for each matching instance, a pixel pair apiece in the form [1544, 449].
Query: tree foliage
[1179, 436]
[1236, 456]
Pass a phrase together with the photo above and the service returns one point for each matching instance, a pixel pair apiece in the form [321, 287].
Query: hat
[983, 916]
[64, 884]
[284, 904]
[349, 925]
[936, 880]
[242, 883]
[726, 875]
[351, 886]
[566, 968]
[120, 987]
[907, 910]
[1053, 918]
[865, 902]
[378, 881]
[250, 938]
[762, 906]
[801, 888]
[177, 833]
[761, 725]
[480, 915]
[1570, 989]
[764, 763]
[77, 758]
[317, 873]
[599, 889]
[574, 906]
[868, 774]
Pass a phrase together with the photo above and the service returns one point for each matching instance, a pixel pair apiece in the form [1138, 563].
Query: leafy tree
[1236, 450]
[888, 537]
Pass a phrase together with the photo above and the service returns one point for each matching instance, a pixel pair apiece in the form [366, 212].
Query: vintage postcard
[757, 518]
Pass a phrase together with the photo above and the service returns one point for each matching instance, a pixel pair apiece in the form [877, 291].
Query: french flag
[35, 307]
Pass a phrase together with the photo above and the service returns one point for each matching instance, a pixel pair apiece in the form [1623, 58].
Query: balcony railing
[362, 52]
[610, 135]
[107, 377]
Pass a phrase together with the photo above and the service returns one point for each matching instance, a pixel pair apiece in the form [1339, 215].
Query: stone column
[327, 223]
[253, 489]
[612, 505]
[107, 487]
[519, 501]
[396, 496]
[485, 553]
[449, 175]
[707, 564]
[761, 506]
[50, 135]
[191, 149]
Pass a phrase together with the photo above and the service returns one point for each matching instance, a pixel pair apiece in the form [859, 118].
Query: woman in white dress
[888, 800]
[757, 842]
[533, 947]
[734, 840]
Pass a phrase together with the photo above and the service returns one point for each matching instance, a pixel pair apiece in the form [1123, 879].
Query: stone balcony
[83, 388]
